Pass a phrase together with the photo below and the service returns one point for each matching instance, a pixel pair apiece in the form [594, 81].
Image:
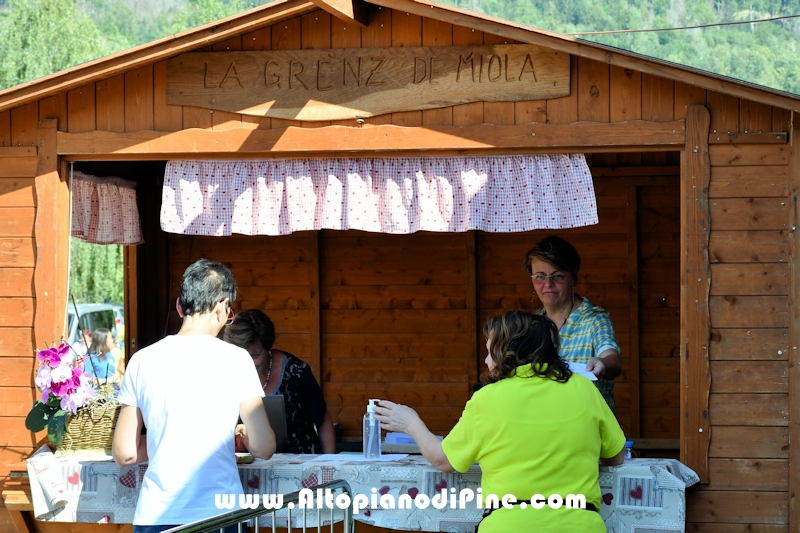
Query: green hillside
[34, 41]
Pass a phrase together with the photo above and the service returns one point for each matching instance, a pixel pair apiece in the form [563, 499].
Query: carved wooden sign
[362, 82]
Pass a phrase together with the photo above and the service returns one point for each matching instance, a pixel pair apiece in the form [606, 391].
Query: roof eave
[152, 52]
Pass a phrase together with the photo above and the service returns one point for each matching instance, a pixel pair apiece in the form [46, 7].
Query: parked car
[93, 316]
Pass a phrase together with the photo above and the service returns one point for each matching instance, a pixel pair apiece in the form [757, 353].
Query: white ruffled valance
[392, 195]
[104, 210]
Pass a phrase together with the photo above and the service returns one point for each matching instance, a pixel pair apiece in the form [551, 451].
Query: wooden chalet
[696, 177]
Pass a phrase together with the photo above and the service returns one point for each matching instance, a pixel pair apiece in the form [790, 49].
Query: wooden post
[633, 285]
[695, 284]
[131, 300]
[314, 311]
[794, 330]
[472, 306]
[52, 242]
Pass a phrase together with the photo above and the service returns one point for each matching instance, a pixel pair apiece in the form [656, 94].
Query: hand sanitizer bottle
[372, 432]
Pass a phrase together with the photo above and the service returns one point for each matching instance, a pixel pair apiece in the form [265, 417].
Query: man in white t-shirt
[188, 390]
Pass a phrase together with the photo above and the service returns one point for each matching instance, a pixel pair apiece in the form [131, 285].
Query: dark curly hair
[517, 338]
[250, 326]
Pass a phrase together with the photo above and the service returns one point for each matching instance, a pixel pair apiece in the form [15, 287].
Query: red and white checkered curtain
[393, 195]
[104, 210]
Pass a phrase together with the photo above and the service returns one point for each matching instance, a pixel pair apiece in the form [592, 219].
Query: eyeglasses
[231, 316]
[557, 277]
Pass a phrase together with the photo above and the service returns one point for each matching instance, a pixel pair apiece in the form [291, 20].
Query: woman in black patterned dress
[308, 422]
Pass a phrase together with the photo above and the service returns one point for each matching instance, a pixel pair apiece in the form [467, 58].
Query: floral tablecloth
[640, 496]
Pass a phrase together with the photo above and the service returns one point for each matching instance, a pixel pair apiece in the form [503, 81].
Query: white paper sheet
[580, 368]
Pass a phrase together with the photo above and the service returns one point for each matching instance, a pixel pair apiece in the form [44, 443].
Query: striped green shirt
[587, 333]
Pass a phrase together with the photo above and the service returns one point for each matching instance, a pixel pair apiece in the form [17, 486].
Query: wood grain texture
[625, 95]
[749, 409]
[110, 104]
[139, 99]
[564, 110]
[24, 121]
[750, 279]
[749, 246]
[16, 282]
[694, 313]
[371, 139]
[333, 84]
[768, 344]
[724, 109]
[794, 332]
[472, 113]
[722, 155]
[16, 166]
[749, 213]
[749, 311]
[54, 107]
[593, 90]
[658, 96]
[5, 128]
[749, 376]
[81, 109]
[749, 442]
[737, 507]
[748, 182]
[165, 117]
[51, 240]
[755, 117]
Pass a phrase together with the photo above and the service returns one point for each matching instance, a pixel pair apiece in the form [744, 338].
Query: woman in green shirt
[536, 429]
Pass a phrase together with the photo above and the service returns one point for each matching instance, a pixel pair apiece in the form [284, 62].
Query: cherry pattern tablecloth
[640, 496]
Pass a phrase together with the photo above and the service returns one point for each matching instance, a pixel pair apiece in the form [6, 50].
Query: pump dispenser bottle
[372, 432]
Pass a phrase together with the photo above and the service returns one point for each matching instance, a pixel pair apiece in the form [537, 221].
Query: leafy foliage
[35, 41]
[95, 272]
[39, 37]
[766, 53]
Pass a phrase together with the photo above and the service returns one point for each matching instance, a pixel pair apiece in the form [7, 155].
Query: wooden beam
[748, 138]
[350, 11]
[165, 48]
[600, 52]
[794, 329]
[695, 284]
[372, 139]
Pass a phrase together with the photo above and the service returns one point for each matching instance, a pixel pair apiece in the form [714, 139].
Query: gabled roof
[281, 10]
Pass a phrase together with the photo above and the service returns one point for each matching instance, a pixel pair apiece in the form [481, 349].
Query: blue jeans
[160, 528]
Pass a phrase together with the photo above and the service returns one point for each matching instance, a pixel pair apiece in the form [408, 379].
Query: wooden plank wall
[396, 324]
[749, 308]
[17, 261]
[273, 274]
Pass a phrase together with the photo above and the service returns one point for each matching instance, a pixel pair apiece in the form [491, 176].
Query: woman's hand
[607, 366]
[396, 417]
[240, 438]
[596, 366]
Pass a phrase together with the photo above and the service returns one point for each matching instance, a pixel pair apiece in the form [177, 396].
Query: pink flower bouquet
[65, 387]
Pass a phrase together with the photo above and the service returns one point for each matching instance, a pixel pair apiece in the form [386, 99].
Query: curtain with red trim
[104, 210]
[384, 195]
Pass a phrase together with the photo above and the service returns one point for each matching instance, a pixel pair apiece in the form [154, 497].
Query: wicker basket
[91, 430]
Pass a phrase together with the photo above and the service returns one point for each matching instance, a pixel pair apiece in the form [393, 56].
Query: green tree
[39, 37]
[95, 272]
